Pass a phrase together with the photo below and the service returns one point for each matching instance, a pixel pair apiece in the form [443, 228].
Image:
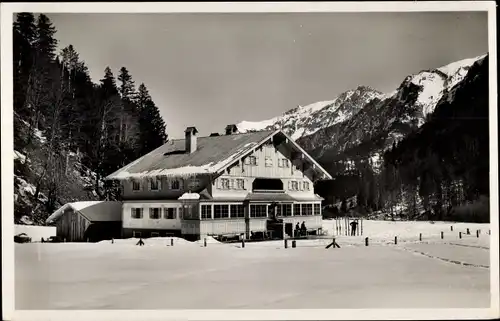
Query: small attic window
[136, 186]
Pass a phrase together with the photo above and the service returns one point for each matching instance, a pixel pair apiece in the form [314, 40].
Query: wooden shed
[91, 221]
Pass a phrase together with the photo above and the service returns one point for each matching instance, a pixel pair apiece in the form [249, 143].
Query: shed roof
[94, 211]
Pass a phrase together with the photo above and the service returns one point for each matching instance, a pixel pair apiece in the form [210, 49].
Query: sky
[213, 69]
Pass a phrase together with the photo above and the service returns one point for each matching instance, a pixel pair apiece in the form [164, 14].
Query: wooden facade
[144, 210]
[72, 226]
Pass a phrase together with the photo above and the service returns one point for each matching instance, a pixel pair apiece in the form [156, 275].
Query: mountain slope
[418, 94]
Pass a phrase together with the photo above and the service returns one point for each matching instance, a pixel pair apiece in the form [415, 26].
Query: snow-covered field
[434, 273]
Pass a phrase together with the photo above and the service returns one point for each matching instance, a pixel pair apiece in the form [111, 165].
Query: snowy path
[262, 275]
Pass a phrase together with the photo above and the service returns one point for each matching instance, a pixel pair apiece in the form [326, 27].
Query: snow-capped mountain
[306, 120]
[361, 124]
[303, 121]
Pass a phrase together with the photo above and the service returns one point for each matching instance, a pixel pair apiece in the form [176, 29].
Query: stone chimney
[231, 129]
[191, 139]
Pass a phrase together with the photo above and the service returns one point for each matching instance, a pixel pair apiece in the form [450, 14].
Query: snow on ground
[35, 232]
[430, 274]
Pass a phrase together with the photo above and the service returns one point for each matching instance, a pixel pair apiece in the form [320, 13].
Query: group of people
[300, 229]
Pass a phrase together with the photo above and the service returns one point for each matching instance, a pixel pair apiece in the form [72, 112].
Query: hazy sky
[210, 70]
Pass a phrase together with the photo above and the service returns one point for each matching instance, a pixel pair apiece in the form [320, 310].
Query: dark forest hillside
[70, 132]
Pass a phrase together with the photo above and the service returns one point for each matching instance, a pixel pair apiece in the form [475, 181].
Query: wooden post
[205, 242]
[395, 240]
[171, 242]
[366, 241]
[286, 243]
[477, 233]
[442, 234]
[243, 243]
[468, 231]
[451, 227]
[112, 241]
[459, 234]
[420, 237]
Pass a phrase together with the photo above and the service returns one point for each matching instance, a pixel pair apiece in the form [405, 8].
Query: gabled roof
[212, 156]
[94, 211]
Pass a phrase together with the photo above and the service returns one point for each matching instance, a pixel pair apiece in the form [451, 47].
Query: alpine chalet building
[221, 185]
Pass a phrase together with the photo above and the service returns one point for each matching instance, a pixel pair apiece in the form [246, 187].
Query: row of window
[221, 211]
[268, 161]
[258, 210]
[154, 184]
[227, 183]
[299, 185]
[155, 213]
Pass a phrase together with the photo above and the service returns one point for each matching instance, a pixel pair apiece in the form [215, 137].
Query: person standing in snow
[353, 224]
[141, 242]
[297, 229]
[303, 228]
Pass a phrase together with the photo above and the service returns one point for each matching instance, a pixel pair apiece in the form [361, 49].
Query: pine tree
[127, 86]
[45, 42]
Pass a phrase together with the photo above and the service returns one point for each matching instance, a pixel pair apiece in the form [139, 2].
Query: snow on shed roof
[212, 153]
[94, 211]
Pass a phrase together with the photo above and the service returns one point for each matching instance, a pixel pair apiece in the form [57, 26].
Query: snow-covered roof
[189, 196]
[212, 156]
[94, 211]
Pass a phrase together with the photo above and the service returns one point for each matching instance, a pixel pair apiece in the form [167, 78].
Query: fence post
[451, 227]
[243, 243]
[420, 237]
[205, 242]
[468, 231]
[395, 240]
[442, 234]
[477, 233]
[460, 234]
[171, 242]
[286, 243]
[366, 241]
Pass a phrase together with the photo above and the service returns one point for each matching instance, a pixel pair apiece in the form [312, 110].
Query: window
[154, 213]
[306, 186]
[317, 209]
[206, 212]
[307, 209]
[287, 210]
[224, 183]
[258, 210]
[170, 213]
[295, 186]
[221, 211]
[136, 212]
[283, 162]
[268, 161]
[240, 183]
[296, 210]
[252, 160]
[237, 211]
[136, 185]
[154, 184]
[174, 184]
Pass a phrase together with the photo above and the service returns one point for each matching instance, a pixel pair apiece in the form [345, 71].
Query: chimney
[191, 139]
[231, 129]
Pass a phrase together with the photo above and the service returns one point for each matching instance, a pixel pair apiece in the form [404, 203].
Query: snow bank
[189, 196]
[35, 232]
